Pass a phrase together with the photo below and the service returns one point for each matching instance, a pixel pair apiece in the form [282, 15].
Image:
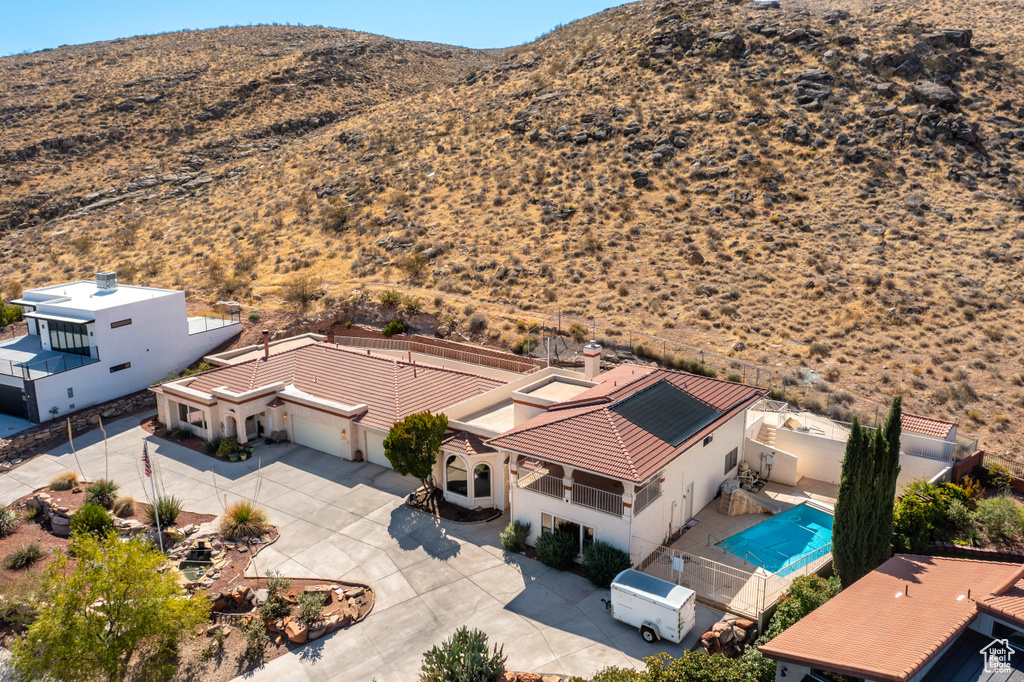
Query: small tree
[301, 289]
[110, 608]
[412, 446]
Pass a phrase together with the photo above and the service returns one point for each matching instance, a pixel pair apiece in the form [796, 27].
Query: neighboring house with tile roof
[633, 457]
[913, 619]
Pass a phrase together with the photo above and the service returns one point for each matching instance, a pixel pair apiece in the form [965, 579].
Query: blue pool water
[779, 543]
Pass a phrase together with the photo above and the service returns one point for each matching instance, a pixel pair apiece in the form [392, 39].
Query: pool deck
[713, 526]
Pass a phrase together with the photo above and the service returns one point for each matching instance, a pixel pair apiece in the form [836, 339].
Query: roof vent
[106, 280]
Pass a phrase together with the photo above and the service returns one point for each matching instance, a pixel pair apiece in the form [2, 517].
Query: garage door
[322, 437]
[12, 401]
[375, 449]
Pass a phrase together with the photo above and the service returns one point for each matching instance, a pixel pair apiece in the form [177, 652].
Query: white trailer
[657, 608]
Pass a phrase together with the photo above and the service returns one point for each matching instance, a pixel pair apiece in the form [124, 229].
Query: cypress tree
[849, 546]
[887, 471]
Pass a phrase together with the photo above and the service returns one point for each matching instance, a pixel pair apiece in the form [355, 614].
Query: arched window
[482, 481]
[455, 475]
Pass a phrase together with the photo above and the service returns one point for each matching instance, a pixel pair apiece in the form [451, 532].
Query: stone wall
[81, 421]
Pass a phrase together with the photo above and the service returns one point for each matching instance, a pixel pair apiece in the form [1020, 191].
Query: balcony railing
[601, 500]
[44, 368]
[544, 484]
[647, 494]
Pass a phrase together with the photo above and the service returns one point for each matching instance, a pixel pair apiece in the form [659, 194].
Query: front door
[688, 503]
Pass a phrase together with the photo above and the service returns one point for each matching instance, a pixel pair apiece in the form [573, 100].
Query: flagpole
[156, 511]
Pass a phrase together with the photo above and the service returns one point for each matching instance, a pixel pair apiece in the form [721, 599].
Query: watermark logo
[997, 655]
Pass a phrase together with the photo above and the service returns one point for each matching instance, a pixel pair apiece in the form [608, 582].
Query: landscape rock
[296, 632]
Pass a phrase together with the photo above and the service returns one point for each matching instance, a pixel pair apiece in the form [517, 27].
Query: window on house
[68, 337]
[193, 416]
[482, 480]
[455, 476]
[730, 459]
[118, 368]
[120, 323]
[707, 441]
[584, 535]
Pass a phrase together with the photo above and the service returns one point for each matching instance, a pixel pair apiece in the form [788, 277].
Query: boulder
[933, 93]
[296, 632]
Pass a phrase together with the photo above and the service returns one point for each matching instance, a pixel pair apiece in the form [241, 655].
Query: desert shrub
[243, 519]
[393, 328]
[311, 605]
[23, 557]
[464, 657]
[812, 404]
[124, 506]
[276, 605]
[735, 377]
[91, 519]
[9, 520]
[212, 446]
[228, 446]
[923, 514]
[818, 349]
[412, 305]
[167, 507]
[525, 345]
[998, 477]
[101, 492]
[254, 316]
[997, 519]
[557, 549]
[64, 481]
[578, 332]
[513, 538]
[389, 298]
[961, 520]
[477, 323]
[254, 632]
[972, 488]
[602, 562]
[805, 594]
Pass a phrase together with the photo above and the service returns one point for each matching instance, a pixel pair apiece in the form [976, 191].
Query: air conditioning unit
[106, 280]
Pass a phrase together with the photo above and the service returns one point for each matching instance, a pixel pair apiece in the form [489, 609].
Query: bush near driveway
[513, 538]
[557, 549]
[602, 562]
[463, 658]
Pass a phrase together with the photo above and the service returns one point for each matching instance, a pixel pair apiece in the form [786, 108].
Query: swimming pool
[778, 544]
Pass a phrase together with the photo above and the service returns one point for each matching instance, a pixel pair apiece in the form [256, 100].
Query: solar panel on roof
[667, 412]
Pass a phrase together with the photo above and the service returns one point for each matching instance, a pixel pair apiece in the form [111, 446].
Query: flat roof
[85, 295]
[497, 418]
[923, 598]
[557, 390]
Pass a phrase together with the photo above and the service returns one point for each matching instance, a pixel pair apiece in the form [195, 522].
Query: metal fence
[494, 361]
[1015, 469]
[199, 325]
[542, 483]
[44, 368]
[745, 592]
[647, 494]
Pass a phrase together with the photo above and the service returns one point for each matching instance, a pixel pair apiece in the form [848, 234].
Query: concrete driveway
[342, 520]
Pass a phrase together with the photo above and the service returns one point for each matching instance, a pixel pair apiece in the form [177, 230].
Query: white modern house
[93, 341]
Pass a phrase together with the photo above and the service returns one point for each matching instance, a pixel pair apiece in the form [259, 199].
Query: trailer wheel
[649, 634]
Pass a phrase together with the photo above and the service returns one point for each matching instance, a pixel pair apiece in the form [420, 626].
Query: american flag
[145, 457]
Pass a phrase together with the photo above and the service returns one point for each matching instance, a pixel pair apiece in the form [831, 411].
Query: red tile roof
[466, 444]
[926, 426]
[392, 389]
[1007, 604]
[586, 433]
[891, 622]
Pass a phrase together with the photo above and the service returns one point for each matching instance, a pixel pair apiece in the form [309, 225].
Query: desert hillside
[795, 186]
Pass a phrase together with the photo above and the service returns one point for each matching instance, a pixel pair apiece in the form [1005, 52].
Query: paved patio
[342, 520]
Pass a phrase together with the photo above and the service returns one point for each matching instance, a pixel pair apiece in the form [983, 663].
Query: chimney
[266, 344]
[106, 280]
[591, 360]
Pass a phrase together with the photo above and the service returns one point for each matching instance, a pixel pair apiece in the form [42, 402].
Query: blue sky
[29, 25]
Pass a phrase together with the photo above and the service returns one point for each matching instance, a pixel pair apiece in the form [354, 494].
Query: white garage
[322, 437]
[375, 449]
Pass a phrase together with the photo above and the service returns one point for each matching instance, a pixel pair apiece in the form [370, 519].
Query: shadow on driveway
[412, 529]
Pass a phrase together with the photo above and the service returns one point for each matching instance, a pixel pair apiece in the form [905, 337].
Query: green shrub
[9, 520]
[557, 549]
[212, 446]
[124, 506]
[23, 557]
[999, 477]
[311, 605]
[228, 446]
[525, 345]
[389, 298]
[179, 433]
[276, 605]
[513, 538]
[167, 507]
[254, 632]
[101, 492]
[997, 519]
[92, 519]
[578, 332]
[412, 305]
[243, 519]
[602, 562]
[463, 658]
[64, 481]
[393, 328]
[962, 522]
[254, 316]
[735, 377]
